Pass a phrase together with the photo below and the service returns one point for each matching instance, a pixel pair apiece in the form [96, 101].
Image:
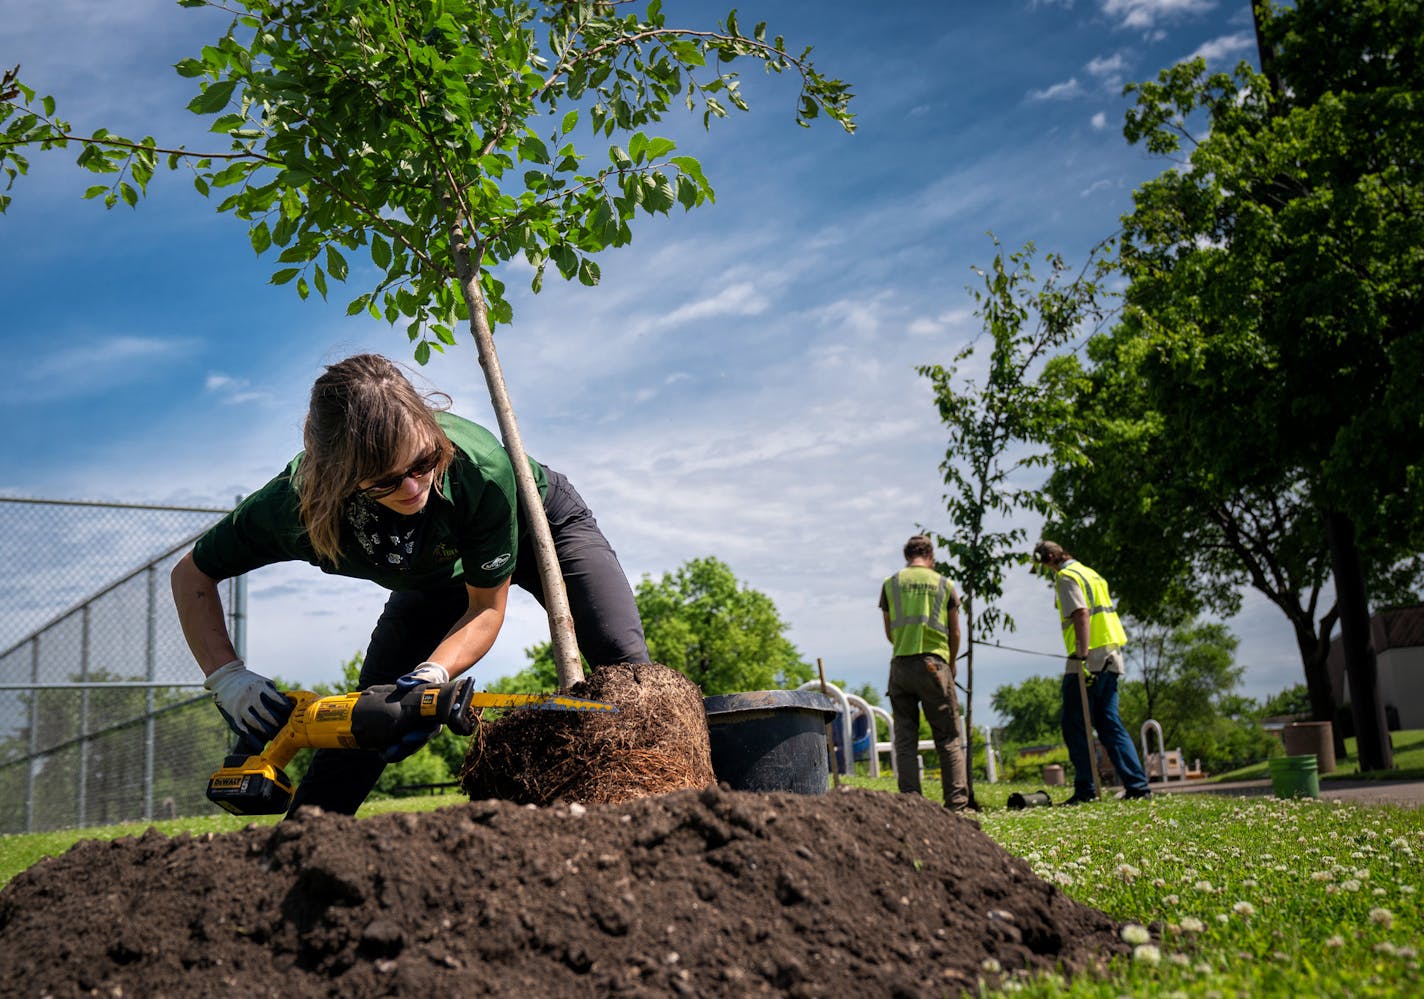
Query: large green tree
[703, 622]
[440, 139]
[1272, 318]
[1032, 707]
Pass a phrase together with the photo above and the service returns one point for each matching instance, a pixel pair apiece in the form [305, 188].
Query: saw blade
[539, 702]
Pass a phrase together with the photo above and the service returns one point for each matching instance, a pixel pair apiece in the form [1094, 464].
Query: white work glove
[253, 706]
[426, 672]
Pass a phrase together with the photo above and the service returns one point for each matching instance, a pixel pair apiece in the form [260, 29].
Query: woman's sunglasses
[383, 487]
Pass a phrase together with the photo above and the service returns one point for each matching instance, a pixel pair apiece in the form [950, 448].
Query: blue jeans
[1102, 704]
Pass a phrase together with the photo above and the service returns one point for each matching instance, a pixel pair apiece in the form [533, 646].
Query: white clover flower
[1147, 954]
[1222, 917]
[1134, 933]
[1192, 924]
[1181, 960]
[1202, 968]
[1128, 873]
[1385, 947]
[1158, 883]
[1321, 876]
[1170, 899]
[1062, 878]
[1249, 883]
[991, 966]
[1335, 941]
[1379, 893]
[1350, 885]
[1399, 843]
[1205, 887]
[1382, 917]
[1244, 909]
[1408, 889]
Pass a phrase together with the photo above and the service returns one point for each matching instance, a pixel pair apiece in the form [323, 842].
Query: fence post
[151, 655]
[83, 810]
[34, 746]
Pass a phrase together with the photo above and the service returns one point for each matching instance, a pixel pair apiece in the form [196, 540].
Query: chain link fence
[103, 718]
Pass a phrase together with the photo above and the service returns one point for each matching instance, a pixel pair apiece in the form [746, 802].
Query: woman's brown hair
[363, 414]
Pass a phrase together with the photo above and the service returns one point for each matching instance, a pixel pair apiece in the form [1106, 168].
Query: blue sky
[742, 384]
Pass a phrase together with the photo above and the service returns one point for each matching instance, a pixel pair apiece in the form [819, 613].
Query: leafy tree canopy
[1032, 708]
[435, 137]
[704, 623]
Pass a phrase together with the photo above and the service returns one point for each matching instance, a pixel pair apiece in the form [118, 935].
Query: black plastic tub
[770, 740]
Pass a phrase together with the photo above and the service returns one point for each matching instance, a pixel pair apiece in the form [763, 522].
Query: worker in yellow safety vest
[1094, 637]
[920, 609]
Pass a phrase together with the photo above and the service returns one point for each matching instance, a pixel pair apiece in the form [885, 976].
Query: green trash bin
[1295, 776]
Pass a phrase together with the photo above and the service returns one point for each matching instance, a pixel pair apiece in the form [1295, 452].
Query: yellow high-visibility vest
[1104, 626]
[918, 598]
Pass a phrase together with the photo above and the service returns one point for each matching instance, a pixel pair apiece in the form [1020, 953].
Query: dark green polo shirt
[469, 534]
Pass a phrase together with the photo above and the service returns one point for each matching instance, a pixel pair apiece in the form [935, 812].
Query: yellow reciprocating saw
[374, 718]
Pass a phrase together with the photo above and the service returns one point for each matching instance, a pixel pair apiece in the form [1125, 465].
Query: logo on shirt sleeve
[497, 561]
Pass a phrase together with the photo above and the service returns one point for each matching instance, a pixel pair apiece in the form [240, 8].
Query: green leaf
[261, 237]
[228, 123]
[285, 275]
[214, 98]
[570, 122]
[380, 252]
[533, 150]
[588, 273]
[335, 263]
[422, 352]
[565, 259]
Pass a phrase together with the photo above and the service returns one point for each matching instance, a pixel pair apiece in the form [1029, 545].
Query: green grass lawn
[1228, 896]
[1408, 762]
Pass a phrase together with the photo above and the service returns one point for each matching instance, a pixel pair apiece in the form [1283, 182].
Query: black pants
[414, 622]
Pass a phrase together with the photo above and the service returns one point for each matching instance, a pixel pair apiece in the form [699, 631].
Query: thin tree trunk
[556, 598]
[1371, 729]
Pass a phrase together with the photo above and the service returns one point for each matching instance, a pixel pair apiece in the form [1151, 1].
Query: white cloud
[1107, 66]
[1099, 121]
[740, 299]
[937, 324]
[87, 367]
[1225, 49]
[1066, 90]
[1146, 13]
[232, 391]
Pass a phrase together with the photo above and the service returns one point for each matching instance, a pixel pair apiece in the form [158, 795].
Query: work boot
[1133, 794]
[1079, 799]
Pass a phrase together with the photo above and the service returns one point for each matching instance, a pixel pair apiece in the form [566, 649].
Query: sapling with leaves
[442, 140]
[1001, 429]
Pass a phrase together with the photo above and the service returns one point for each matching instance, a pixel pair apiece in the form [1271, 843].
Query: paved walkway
[1405, 793]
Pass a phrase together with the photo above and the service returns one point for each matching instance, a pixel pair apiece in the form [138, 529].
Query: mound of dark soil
[706, 893]
[657, 742]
